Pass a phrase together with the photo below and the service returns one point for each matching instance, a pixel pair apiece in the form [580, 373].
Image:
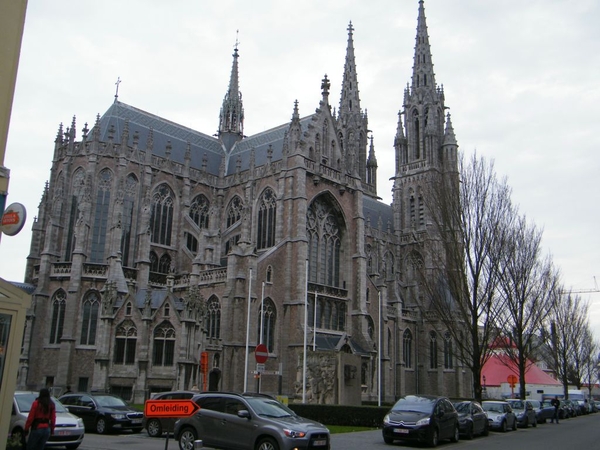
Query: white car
[68, 430]
[500, 415]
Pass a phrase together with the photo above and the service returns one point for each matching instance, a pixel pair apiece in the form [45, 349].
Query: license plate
[63, 433]
[400, 430]
[136, 421]
[320, 443]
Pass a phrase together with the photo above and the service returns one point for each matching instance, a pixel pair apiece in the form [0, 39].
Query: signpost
[170, 408]
[512, 381]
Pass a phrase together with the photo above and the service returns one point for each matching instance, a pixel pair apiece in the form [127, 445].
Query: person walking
[556, 403]
[41, 421]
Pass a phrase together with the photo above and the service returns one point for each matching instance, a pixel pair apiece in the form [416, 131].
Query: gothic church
[162, 256]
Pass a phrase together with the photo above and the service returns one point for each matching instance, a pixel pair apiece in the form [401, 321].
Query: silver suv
[248, 422]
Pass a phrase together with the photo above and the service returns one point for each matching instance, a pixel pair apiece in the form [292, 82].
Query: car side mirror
[243, 413]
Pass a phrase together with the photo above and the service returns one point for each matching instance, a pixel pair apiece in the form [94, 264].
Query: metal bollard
[197, 444]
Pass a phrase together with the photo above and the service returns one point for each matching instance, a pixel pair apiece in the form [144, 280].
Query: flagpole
[262, 312]
[248, 330]
[379, 351]
[315, 324]
[305, 332]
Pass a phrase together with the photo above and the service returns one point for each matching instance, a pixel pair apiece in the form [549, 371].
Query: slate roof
[374, 209]
[200, 144]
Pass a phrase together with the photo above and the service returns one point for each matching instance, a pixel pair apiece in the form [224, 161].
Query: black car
[472, 419]
[422, 418]
[157, 426]
[103, 412]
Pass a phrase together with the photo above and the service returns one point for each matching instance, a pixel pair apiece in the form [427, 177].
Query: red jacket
[37, 412]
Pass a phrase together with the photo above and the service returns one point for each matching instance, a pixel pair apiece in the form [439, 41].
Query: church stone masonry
[152, 238]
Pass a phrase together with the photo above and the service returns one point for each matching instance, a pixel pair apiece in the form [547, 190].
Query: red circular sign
[512, 379]
[261, 353]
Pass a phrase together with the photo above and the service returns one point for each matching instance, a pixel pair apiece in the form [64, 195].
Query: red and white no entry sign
[261, 353]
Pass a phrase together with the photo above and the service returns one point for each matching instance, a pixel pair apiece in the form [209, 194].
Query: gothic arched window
[234, 211]
[130, 195]
[153, 262]
[161, 219]
[89, 322]
[407, 340]
[164, 264]
[125, 343]
[59, 303]
[433, 350]
[213, 318]
[199, 211]
[267, 208]
[266, 319]
[101, 215]
[448, 353]
[164, 345]
[324, 243]
[417, 136]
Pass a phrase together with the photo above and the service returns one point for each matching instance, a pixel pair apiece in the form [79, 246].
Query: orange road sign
[170, 408]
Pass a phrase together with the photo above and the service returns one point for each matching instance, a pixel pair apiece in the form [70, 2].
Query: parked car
[157, 426]
[248, 422]
[543, 411]
[103, 413]
[422, 418]
[524, 411]
[472, 419]
[569, 408]
[500, 415]
[68, 430]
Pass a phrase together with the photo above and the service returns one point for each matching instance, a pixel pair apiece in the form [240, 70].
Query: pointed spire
[449, 137]
[325, 85]
[59, 135]
[232, 112]
[423, 76]
[372, 160]
[349, 101]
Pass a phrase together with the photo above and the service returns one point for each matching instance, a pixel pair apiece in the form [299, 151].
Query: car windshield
[517, 405]
[462, 407]
[24, 401]
[415, 404]
[493, 407]
[109, 400]
[269, 407]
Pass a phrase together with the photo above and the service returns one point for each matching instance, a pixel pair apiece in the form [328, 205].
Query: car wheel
[503, 426]
[469, 433]
[154, 428]
[187, 438]
[101, 426]
[486, 429]
[267, 444]
[17, 434]
[434, 438]
[388, 440]
[456, 436]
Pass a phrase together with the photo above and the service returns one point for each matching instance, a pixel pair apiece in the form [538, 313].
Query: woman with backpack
[41, 421]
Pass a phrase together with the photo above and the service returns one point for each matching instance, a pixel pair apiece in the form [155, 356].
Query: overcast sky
[521, 80]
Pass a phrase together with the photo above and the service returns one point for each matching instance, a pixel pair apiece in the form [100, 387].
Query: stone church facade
[162, 256]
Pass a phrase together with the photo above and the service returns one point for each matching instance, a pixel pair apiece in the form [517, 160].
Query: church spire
[423, 76]
[231, 119]
[349, 101]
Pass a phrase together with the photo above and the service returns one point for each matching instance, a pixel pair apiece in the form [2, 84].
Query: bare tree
[527, 283]
[471, 220]
[568, 321]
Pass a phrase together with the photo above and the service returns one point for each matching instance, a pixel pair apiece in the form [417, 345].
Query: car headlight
[424, 421]
[118, 416]
[386, 419]
[294, 434]
[80, 423]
